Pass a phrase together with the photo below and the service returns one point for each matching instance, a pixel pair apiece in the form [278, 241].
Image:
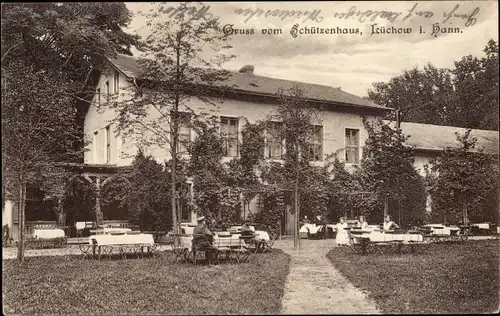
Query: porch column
[98, 213]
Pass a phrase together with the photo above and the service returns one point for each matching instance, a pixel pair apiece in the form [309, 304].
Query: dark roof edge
[314, 100]
[436, 150]
[379, 108]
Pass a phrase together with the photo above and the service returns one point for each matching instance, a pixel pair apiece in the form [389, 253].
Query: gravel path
[314, 286]
[11, 252]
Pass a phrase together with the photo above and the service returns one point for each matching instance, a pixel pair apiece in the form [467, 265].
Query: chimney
[248, 69]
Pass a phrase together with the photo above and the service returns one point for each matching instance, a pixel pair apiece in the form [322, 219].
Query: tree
[387, 170]
[466, 96]
[421, 96]
[298, 123]
[346, 195]
[37, 130]
[47, 51]
[463, 183]
[114, 197]
[181, 62]
[475, 103]
[215, 195]
[148, 195]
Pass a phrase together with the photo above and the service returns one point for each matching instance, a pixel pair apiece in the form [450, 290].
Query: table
[362, 239]
[55, 237]
[104, 244]
[48, 233]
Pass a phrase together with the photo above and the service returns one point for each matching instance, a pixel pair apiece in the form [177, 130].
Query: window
[184, 132]
[352, 145]
[229, 134]
[116, 82]
[274, 141]
[316, 144]
[183, 205]
[98, 96]
[107, 91]
[108, 144]
[94, 147]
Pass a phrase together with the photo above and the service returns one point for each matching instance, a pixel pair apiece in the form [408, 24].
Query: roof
[430, 137]
[253, 84]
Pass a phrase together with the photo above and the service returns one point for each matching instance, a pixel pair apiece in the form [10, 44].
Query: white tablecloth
[377, 236]
[80, 225]
[111, 230]
[48, 233]
[103, 240]
[233, 241]
[238, 228]
[262, 235]
[482, 225]
[311, 228]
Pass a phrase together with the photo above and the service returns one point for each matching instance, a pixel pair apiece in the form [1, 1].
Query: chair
[180, 251]
[223, 245]
[242, 251]
[268, 244]
[80, 226]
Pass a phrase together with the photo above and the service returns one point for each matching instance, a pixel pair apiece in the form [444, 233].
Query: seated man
[203, 239]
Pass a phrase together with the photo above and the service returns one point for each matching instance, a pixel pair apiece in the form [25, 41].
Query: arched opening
[38, 206]
[79, 202]
[114, 197]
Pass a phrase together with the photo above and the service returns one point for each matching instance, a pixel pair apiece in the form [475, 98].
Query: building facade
[340, 130]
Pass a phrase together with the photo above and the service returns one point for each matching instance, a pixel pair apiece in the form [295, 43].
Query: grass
[148, 286]
[444, 278]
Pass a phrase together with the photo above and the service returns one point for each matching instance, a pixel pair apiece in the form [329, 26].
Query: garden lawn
[147, 286]
[444, 278]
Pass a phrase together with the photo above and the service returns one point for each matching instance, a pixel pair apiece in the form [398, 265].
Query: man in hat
[204, 238]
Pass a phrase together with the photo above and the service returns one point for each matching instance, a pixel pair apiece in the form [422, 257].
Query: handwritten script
[315, 15]
[448, 16]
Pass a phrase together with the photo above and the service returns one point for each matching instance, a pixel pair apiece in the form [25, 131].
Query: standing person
[363, 224]
[389, 224]
[342, 237]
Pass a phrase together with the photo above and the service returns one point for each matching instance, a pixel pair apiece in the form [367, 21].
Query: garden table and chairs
[123, 244]
[444, 233]
[41, 238]
[382, 242]
[232, 247]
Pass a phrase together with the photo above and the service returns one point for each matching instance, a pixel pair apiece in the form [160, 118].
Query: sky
[352, 62]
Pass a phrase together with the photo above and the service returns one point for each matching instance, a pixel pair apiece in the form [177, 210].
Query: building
[252, 98]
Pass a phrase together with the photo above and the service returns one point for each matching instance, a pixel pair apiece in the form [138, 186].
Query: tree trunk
[22, 205]
[386, 205]
[296, 238]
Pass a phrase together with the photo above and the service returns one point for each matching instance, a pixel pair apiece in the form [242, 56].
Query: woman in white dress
[342, 237]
